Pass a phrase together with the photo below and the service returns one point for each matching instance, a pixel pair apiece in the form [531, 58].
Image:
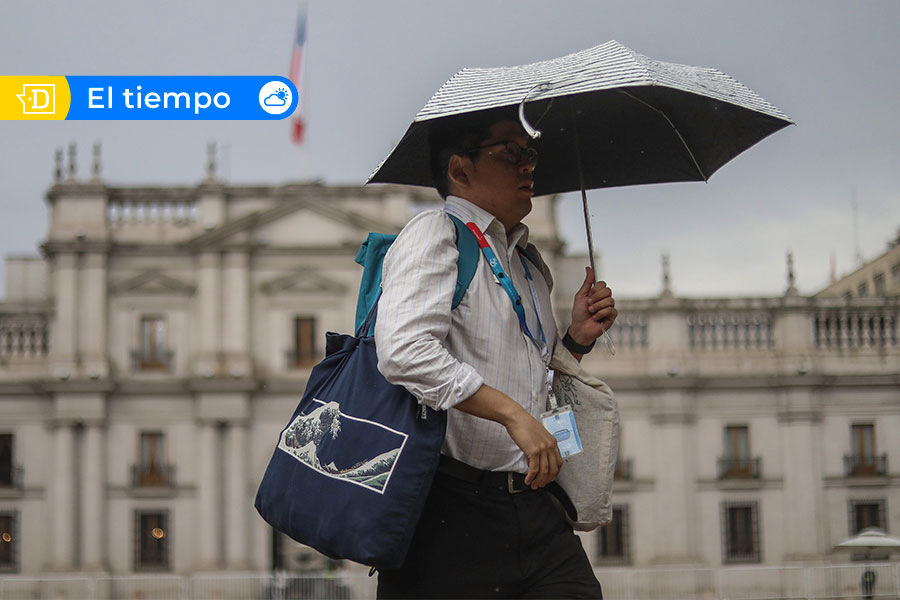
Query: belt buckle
[511, 483]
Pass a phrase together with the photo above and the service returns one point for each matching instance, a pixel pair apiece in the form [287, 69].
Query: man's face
[497, 181]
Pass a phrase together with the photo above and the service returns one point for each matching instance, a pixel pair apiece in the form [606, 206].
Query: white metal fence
[833, 582]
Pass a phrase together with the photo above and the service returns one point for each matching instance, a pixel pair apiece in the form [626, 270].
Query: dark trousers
[477, 540]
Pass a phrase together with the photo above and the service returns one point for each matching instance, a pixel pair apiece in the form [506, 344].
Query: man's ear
[458, 171]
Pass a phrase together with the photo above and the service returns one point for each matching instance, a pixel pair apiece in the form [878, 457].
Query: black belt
[504, 481]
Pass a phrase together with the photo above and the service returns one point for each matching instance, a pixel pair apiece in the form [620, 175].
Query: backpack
[371, 256]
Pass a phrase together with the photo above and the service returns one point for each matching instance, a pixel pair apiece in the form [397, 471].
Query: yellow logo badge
[33, 97]
[38, 99]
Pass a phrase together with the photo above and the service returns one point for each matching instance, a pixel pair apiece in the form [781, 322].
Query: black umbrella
[608, 117]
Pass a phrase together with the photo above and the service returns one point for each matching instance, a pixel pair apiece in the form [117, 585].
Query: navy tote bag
[352, 469]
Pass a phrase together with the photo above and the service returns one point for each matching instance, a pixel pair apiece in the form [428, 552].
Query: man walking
[492, 526]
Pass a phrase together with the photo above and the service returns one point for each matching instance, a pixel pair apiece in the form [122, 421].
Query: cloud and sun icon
[279, 98]
[276, 97]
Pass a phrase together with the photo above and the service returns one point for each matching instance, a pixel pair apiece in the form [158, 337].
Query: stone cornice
[222, 384]
[740, 485]
[36, 307]
[20, 388]
[839, 481]
[76, 189]
[650, 383]
[74, 386]
[51, 247]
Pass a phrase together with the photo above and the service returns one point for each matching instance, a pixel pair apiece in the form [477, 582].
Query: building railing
[857, 327]
[154, 210]
[740, 468]
[856, 465]
[161, 360]
[730, 330]
[162, 475]
[623, 583]
[630, 331]
[23, 336]
[12, 476]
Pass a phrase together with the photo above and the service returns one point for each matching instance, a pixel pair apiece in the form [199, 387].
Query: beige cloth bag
[587, 477]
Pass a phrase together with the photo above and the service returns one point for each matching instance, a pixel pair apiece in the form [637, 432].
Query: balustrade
[23, 336]
[629, 332]
[738, 331]
[856, 328]
[136, 212]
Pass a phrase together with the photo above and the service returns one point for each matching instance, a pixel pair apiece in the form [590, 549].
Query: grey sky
[834, 67]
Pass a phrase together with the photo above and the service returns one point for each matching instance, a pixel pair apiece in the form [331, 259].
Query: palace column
[238, 505]
[209, 530]
[63, 497]
[208, 311]
[236, 313]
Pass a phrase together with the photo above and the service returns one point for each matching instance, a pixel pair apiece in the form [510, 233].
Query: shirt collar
[467, 211]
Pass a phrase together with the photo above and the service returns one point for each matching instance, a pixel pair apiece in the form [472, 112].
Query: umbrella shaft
[587, 228]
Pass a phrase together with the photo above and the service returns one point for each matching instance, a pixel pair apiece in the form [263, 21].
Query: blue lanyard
[508, 286]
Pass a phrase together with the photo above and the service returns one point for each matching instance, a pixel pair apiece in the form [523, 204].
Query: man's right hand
[541, 448]
[538, 444]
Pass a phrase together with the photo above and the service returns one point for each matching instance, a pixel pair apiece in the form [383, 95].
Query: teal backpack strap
[370, 256]
[468, 259]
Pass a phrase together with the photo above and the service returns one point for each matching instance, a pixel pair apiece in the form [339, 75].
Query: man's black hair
[458, 135]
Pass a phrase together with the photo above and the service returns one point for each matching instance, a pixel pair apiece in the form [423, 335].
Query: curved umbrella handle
[531, 131]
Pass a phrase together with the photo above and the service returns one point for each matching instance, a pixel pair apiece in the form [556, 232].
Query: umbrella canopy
[871, 539]
[627, 118]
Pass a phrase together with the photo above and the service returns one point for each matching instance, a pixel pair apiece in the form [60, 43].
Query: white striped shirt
[441, 356]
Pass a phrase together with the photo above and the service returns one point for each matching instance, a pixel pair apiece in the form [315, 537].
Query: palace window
[623, 465]
[740, 532]
[151, 540]
[153, 352]
[613, 538]
[865, 514]
[7, 466]
[151, 468]
[9, 542]
[305, 353]
[736, 461]
[862, 290]
[880, 287]
[863, 461]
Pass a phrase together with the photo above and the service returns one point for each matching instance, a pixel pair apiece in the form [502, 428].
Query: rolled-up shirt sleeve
[418, 281]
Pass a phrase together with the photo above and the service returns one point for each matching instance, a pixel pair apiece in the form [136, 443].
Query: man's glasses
[511, 152]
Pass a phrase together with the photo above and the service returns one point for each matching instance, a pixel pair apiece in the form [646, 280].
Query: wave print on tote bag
[314, 439]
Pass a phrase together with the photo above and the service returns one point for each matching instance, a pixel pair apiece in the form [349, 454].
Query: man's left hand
[593, 311]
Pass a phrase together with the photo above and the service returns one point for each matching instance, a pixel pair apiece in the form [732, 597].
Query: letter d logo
[38, 99]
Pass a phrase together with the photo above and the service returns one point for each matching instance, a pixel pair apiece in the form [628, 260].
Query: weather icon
[275, 98]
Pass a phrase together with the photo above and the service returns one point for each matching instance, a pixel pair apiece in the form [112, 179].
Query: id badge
[561, 423]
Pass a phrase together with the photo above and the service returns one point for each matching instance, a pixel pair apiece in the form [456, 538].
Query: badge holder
[560, 422]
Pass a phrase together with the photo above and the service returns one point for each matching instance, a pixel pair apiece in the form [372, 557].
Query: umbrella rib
[675, 129]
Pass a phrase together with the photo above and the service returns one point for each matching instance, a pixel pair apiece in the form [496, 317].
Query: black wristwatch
[574, 347]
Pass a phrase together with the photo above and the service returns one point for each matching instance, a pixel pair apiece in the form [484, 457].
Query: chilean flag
[296, 74]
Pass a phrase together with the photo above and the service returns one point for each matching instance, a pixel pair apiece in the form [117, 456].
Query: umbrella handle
[531, 131]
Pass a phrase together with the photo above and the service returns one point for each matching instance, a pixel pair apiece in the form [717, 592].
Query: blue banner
[186, 97]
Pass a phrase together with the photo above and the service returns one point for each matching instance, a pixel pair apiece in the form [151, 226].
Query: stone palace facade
[151, 355]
